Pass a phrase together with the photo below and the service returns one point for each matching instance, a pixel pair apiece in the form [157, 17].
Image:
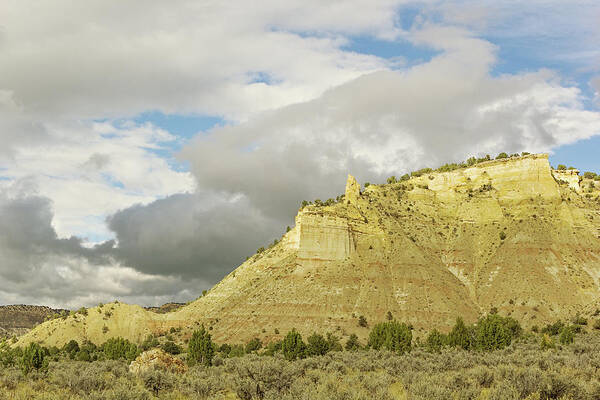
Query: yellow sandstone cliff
[512, 234]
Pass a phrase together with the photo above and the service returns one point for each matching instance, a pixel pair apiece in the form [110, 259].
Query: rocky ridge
[19, 319]
[511, 233]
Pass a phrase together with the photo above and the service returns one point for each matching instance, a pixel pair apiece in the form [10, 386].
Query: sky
[148, 147]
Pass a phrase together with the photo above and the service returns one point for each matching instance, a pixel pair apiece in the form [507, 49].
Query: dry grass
[522, 371]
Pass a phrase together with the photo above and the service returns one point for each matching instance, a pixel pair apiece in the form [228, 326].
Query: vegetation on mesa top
[470, 162]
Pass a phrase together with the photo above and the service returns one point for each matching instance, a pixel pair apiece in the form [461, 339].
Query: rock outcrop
[510, 234]
[352, 190]
[156, 359]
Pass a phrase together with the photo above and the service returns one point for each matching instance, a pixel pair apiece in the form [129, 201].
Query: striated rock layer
[511, 234]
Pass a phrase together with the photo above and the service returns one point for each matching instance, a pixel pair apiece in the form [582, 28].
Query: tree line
[489, 333]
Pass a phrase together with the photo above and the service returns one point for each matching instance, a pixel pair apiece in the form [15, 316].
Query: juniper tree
[200, 348]
[293, 346]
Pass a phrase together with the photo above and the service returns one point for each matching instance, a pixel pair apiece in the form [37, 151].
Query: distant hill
[165, 308]
[511, 233]
[19, 319]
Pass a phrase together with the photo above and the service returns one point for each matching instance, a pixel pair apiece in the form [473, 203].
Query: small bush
[150, 342]
[317, 345]
[170, 347]
[435, 341]
[34, 358]
[460, 336]
[293, 346]
[333, 342]
[157, 381]
[393, 336]
[362, 321]
[553, 329]
[352, 344]
[546, 342]
[566, 335]
[495, 332]
[253, 345]
[120, 348]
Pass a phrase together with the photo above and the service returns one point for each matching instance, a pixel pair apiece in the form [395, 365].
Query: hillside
[511, 233]
[18, 319]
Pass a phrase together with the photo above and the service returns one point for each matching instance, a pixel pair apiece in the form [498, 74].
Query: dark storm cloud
[39, 267]
[191, 235]
[27, 238]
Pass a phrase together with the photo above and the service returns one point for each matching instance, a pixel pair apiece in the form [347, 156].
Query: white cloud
[389, 122]
[93, 170]
[181, 56]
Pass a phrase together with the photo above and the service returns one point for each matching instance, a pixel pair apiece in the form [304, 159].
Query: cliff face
[511, 234]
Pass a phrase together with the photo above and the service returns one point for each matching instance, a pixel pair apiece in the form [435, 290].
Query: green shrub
[501, 156]
[119, 348]
[224, 348]
[273, 347]
[157, 381]
[495, 332]
[393, 336]
[435, 341]
[567, 335]
[316, 345]
[589, 175]
[253, 345]
[8, 356]
[561, 167]
[333, 342]
[293, 346]
[553, 329]
[150, 342]
[171, 348]
[546, 342]
[460, 335]
[352, 344]
[84, 355]
[362, 321]
[502, 235]
[71, 348]
[237, 351]
[33, 358]
[200, 348]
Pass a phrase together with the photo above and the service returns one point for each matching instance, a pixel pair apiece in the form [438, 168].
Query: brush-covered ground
[533, 366]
